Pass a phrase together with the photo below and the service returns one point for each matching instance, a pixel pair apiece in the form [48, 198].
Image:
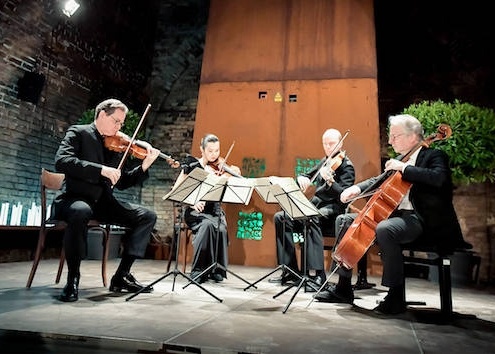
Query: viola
[332, 163]
[220, 168]
[120, 143]
[361, 233]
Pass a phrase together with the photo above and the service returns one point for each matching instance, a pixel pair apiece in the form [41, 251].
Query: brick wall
[36, 38]
[81, 71]
[30, 132]
[174, 85]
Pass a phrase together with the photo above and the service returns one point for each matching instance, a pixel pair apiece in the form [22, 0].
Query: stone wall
[475, 207]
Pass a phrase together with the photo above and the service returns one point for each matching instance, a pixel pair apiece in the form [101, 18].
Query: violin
[361, 233]
[220, 168]
[120, 143]
[332, 163]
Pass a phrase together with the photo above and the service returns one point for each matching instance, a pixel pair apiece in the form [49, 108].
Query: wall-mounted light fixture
[70, 7]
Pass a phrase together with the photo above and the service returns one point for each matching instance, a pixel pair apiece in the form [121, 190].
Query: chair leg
[105, 244]
[171, 253]
[37, 256]
[186, 245]
[60, 266]
[445, 284]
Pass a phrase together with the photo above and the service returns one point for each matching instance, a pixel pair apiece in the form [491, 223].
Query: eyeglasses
[395, 136]
[116, 121]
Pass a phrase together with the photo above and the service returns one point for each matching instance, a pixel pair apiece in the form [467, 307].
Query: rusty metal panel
[255, 40]
[264, 123]
[275, 75]
[282, 130]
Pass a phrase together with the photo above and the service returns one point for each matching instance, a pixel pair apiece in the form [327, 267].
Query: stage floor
[190, 320]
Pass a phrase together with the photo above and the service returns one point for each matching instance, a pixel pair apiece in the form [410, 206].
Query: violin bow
[126, 153]
[228, 152]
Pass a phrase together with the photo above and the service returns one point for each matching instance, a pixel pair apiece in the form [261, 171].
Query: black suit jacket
[327, 198]
[431, 197]
[80, 157]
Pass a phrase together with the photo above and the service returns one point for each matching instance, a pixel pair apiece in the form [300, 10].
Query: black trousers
[77, 213]
[286, 252]
[400, 228]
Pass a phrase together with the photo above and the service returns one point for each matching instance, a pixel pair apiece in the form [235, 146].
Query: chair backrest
[49, 181]
[52, 180]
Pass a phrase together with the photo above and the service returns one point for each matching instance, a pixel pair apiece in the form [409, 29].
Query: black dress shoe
[390, 307]
[275, 280]
[289, 278]
[334, 295]
[195, 276]
[286, 278]
[362, 284]
[70, 293]
[313, 284]
[217, 277]
[127, 283]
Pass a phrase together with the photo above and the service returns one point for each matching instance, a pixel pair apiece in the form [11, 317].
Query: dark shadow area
[24, 342]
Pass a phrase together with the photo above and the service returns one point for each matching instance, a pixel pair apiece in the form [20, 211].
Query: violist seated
[329, 184]
[426, 209]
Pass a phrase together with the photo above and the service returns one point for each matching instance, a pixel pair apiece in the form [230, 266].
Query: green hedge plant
[471, 148]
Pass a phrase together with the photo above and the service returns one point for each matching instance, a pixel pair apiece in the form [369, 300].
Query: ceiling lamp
[70, 7]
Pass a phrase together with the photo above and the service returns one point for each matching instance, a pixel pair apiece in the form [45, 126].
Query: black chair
[414, 253]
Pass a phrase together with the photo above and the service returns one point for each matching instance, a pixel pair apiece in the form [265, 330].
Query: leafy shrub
[471, 148]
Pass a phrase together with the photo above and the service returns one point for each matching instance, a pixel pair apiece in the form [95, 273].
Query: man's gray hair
[410, 124]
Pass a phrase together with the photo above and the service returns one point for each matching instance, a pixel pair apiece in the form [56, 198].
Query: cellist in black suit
[426, 209]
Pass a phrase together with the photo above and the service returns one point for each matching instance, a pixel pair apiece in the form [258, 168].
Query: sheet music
[194, 187]
[294, 202]
[231, 190]
[263, 185]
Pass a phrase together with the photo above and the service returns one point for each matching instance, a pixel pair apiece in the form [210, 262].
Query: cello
[361, 233]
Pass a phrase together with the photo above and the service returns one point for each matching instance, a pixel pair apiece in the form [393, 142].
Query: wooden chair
[181, 230]
[50, 181]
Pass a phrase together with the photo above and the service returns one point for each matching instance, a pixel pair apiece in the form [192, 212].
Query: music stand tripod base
[284, 267]
[175, 272]
[298, 207]
[303, 279]
[189, 191]
[234, 190]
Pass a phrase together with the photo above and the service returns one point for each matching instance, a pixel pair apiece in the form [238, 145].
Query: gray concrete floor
[177, 320]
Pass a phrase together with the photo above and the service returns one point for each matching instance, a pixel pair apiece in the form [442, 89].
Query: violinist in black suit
[329, 184]
[425, 210]
[90, 173]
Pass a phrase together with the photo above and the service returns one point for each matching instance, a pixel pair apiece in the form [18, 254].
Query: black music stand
[264, 190]
[298, 207]
[236, 190]
[189, 191]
